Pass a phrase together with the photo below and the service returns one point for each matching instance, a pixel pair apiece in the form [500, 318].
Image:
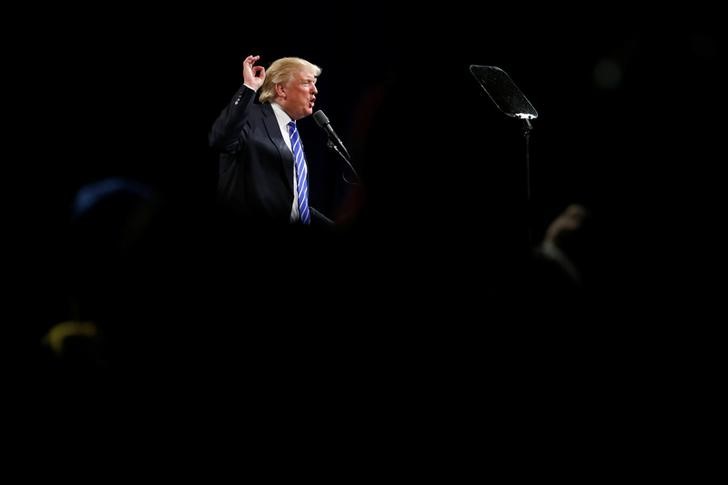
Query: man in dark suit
[263, 172]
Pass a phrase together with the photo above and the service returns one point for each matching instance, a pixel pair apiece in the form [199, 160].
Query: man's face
[298, 96]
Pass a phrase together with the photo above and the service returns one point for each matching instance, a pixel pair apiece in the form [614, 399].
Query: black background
[134, 93]
[434, 283]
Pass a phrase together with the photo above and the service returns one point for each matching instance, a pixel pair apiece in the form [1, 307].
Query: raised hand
[253, 76]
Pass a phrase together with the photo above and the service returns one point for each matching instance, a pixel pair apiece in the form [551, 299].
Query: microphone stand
[344, 155]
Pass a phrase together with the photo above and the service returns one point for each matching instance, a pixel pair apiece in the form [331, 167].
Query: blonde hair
[282, 71]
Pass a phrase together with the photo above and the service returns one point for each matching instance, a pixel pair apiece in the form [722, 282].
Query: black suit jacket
[256, 166]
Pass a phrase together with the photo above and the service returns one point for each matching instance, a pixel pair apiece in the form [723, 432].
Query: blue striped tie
[301, 173]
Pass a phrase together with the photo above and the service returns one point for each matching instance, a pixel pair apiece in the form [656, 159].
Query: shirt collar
[281, 116]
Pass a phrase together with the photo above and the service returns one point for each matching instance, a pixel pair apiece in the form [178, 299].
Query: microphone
[323, 121]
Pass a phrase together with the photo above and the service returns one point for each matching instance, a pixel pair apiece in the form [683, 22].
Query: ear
[281, 91]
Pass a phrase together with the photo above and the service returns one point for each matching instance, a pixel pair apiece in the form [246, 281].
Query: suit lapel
[274, 133]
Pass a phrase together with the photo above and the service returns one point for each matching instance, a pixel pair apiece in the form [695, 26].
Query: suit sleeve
[227, 131]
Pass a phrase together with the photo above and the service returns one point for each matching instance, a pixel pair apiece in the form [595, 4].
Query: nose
[313, 89]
